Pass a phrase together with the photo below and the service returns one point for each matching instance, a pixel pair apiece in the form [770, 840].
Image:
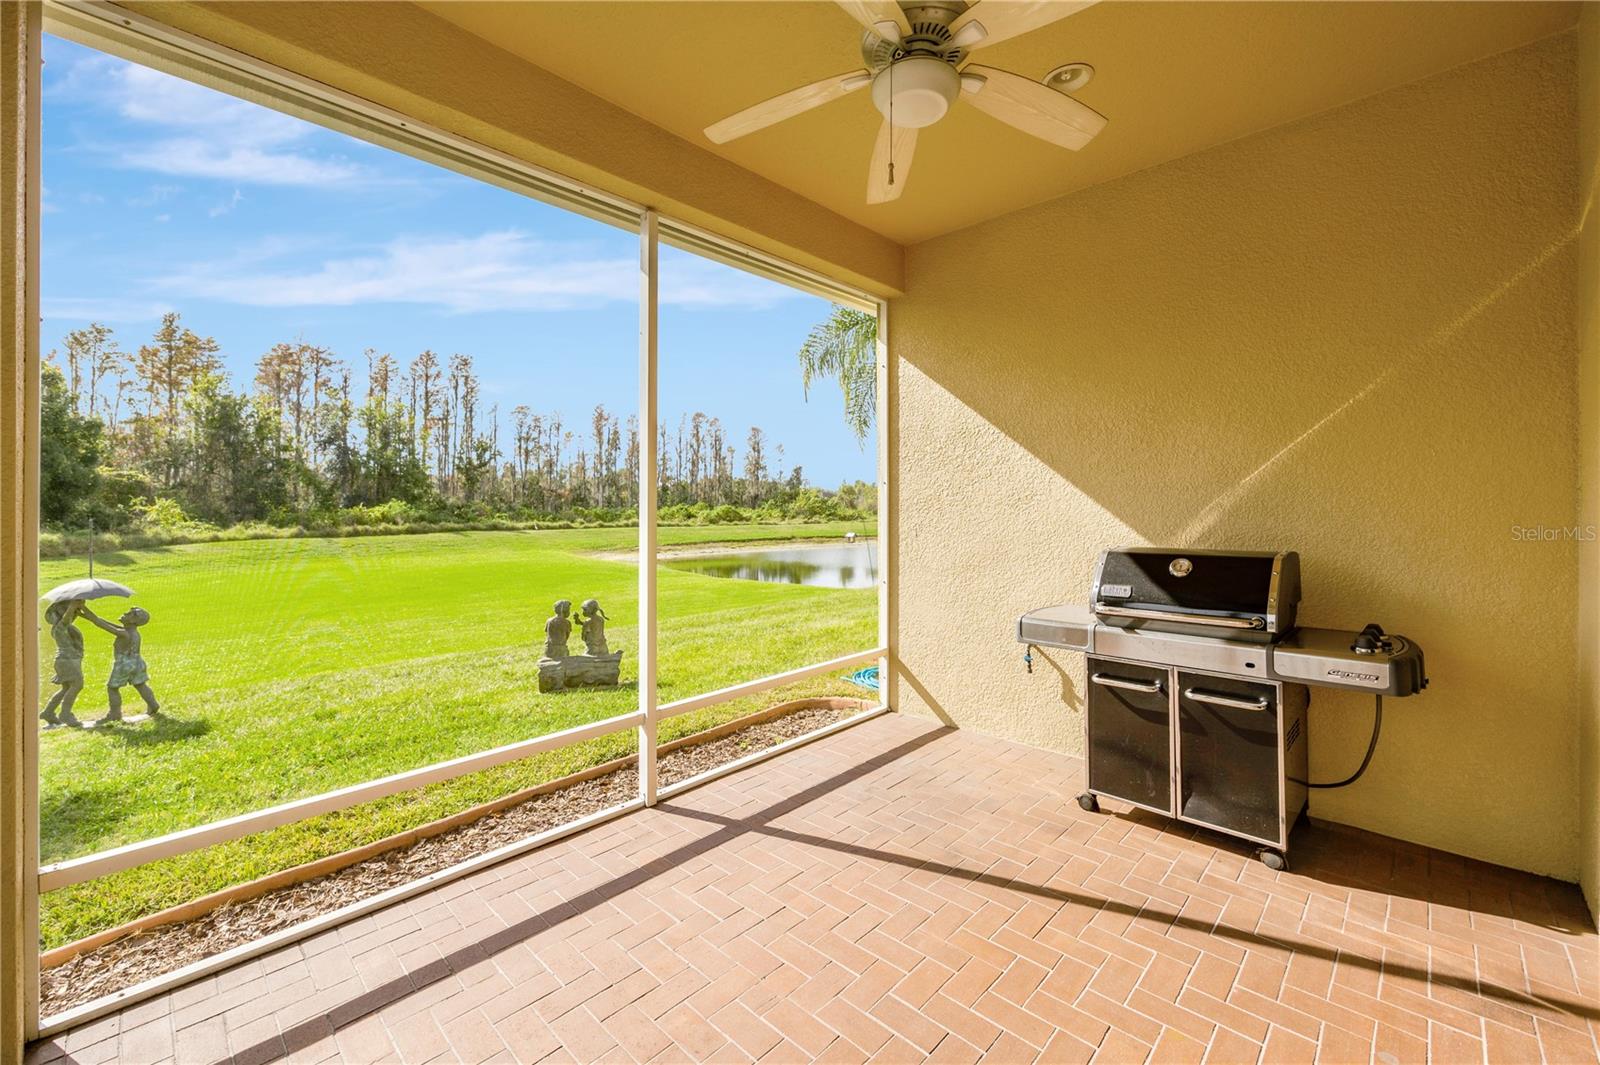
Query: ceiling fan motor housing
[923, 88]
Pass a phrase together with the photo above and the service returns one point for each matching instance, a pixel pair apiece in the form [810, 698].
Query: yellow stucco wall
[1589, 361]
[1352, 336]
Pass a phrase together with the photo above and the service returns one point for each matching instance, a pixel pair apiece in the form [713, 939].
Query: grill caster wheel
[1274, 860]
[1089, 803]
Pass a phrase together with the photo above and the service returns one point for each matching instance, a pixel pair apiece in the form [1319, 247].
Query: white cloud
[689, 281]
[192, 157]
[226, 206]
[153, 195]
[498, 271]
[204, 133]
[93, 309]
[147, 95]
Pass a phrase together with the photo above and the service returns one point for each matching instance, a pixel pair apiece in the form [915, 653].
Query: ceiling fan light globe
[923, 90]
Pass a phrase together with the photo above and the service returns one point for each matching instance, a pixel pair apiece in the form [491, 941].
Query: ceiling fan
[916, 53]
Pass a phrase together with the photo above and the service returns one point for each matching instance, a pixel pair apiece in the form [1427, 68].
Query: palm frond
[845, 346]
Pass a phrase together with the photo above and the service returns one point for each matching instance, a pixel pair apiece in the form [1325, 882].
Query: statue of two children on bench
[597, 667]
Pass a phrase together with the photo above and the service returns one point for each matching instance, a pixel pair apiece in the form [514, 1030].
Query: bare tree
[598, 424]
[536, 456]
[323, 370]
[663, 457]
[633, 457]
[380, 373]
[170, 365]
[425, 375]
[613, 450]
[697, 451]
[755, 463]
[721, 477]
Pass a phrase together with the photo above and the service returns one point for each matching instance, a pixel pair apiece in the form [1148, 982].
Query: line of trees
[161, 427]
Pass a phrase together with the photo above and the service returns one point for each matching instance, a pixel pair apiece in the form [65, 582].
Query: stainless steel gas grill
[1198, 685]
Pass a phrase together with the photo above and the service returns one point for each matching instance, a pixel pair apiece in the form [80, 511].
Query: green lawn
[292, 667]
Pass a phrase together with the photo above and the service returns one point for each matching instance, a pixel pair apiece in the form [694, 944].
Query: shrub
[394, 512]
[811, 505]
[167, 516]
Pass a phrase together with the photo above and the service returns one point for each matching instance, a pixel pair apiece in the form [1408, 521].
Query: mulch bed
[148, 954]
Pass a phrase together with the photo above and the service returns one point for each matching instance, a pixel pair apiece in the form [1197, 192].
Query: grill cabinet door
[1130, 739]
[1228, 755]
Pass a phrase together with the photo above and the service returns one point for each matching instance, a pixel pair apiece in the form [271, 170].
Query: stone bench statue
[597, 667]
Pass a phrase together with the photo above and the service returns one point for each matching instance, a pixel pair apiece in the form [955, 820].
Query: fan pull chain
[891, 122]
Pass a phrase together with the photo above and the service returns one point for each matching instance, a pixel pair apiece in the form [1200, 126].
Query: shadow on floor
[1323, 850]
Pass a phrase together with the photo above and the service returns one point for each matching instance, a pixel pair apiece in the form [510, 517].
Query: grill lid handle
[1174, 615]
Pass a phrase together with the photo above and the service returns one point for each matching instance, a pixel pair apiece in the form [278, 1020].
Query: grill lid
[1242, 595]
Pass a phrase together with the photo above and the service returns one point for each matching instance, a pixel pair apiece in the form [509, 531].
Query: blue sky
[163, 195]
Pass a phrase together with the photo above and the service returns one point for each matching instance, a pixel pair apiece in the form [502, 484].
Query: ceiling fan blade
[990, 21]
[1033, 108]
[896, 145]
[874, 13]
[788, 105]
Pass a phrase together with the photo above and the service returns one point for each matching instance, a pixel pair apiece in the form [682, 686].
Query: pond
[821, 565]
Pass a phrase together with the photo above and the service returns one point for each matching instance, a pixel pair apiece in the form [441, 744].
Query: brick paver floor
[900, 891]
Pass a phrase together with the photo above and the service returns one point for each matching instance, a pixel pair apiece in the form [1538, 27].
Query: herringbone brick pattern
[901, 891]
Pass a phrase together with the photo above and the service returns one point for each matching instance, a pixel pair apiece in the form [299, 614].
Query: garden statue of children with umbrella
[127, 664]
[69, 662]
[68, 602]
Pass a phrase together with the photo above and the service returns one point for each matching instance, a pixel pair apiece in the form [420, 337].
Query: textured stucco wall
[1352, 336]
[1589, 378]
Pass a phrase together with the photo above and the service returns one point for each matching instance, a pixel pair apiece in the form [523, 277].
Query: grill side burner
[1330, 658]
[1198, 685]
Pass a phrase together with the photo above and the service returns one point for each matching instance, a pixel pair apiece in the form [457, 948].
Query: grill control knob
[1370, 640]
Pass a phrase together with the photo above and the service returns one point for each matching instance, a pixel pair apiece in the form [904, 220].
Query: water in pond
[826, 566]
